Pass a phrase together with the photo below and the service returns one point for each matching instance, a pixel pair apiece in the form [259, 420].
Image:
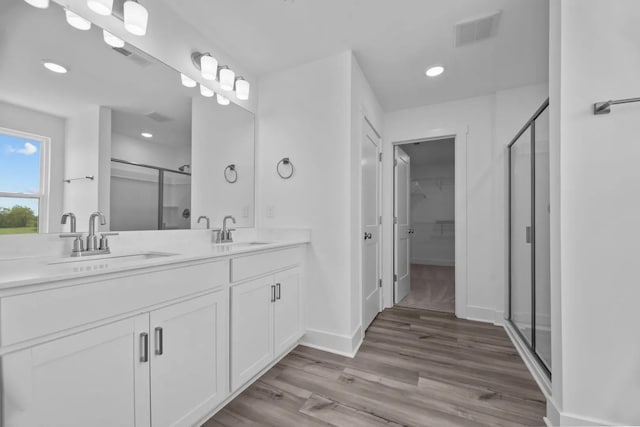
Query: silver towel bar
[605, 106]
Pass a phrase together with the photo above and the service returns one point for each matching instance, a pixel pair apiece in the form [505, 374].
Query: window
[23, 182]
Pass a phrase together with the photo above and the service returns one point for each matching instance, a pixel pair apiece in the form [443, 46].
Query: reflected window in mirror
[23, 182]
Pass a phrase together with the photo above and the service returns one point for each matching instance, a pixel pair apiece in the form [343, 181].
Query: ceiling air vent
[133, 57]
[157, 117]
[477, 29]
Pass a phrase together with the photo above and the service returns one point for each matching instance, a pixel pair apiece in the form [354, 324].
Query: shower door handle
[528, 234]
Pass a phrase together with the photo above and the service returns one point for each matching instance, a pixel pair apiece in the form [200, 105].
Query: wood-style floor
[415, 368]
[432, 288]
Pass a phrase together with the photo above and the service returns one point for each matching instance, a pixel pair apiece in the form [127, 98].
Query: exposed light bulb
[77, 21]
[52, 66]
[227, 78]
[136, 18]
[112, 40]
[101, 7]
[208, 66]
[40, 4]
[435, 71]
[186, 81]
[242, 89]
[205, 91]
[222, 100]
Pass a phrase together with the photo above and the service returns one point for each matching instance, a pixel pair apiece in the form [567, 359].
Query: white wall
[87, 149]
[222, 135]
[483, 126]
[304, 115]
[30, 121]
[595, 167]
[431, 243]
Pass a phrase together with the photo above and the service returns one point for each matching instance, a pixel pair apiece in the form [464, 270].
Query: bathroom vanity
[144, 338]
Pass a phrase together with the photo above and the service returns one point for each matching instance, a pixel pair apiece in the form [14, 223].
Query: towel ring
[286, 162]
[231, 174]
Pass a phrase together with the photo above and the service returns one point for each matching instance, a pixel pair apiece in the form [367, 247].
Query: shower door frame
[161, 172]
[530, 124]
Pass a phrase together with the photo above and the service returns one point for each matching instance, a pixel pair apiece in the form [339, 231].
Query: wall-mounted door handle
[528, 234]
[278, 290]
[159, 341]
[273, 293]
[144, 347]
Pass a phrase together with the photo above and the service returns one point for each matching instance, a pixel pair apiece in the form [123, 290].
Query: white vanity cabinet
[93, 378]
[188, 359]
[166, 366]
[266, 312]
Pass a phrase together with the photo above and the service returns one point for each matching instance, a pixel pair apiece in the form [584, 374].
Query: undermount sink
[111, 258]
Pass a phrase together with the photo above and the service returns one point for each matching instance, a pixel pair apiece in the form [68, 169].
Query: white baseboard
[484, 314]
[343, 345]
[567, 419]
[436, 262]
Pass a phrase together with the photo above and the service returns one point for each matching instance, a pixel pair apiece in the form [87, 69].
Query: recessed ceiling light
[435, 71]
[147, 134]
[52, 66]
[112, 40]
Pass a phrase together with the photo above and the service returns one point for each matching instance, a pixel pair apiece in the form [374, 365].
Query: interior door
[93, 378]
[371, 283]
[287, 316]
[402, 220]
[188, 359]
[251, 328]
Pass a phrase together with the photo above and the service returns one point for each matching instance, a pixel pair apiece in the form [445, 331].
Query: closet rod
[605, 107]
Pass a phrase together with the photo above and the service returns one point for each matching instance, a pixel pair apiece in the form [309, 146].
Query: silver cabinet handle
[528, 234]
[273, 293]
[159, 341]
[144, 347]
[278, 290]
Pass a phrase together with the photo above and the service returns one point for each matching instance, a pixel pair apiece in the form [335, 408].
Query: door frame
[367, 122]
[460, 182]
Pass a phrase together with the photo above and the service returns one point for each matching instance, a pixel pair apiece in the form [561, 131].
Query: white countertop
[26, 271]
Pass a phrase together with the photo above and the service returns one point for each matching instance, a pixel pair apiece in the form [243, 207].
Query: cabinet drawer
[257, 265]
[37, 314]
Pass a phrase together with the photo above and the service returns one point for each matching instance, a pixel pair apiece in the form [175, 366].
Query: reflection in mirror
[117, 115]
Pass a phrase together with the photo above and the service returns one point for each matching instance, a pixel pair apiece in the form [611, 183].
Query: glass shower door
[176, 201]
[542, 240]
[530, 236]
[521, 235]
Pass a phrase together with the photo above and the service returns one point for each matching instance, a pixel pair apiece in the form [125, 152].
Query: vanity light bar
[242, 88]
[40, 4]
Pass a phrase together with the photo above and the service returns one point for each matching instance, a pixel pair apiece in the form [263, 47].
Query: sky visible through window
[19, 170]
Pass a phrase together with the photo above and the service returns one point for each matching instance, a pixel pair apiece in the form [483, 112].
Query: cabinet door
[288, 316]
[189, 359]
[93, 378]
[251, 329]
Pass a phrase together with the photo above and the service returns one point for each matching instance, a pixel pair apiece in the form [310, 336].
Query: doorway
[424, 225]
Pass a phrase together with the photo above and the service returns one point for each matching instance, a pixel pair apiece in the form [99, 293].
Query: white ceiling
[393, 40]
[97, 75]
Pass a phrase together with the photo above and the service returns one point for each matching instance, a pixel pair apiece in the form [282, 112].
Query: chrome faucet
[92, 239]
[93, 248]
[224, 235]
[72, 224]
[201, 217]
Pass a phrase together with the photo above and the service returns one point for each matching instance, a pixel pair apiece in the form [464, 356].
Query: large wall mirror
[116, 132]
